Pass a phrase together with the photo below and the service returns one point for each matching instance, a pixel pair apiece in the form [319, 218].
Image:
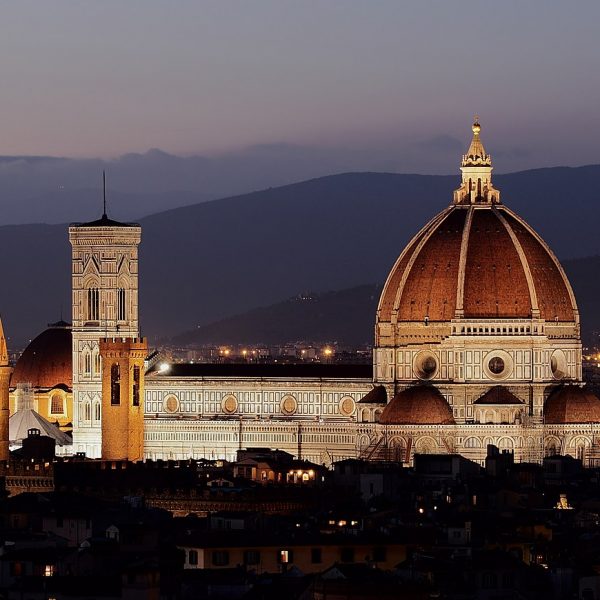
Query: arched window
[57, 405]
[87, 411]
[93, 304]
[121, 312]
[97, 411]
[115, 384]
[97, 363]
[136, 386]
[87, 362]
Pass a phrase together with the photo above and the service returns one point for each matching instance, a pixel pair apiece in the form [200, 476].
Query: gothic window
[115, 384]
[136, 386]
[87, 411]
[121, 313]
[56, 405]
[97, 412]
[93, 304]
[87, 363]
[97, 363]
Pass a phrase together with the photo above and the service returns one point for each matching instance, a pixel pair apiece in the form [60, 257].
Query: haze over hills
[211, 260]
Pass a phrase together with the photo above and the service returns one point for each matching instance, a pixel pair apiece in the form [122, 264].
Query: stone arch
[506, 443]
[552, 446]
[377, 415]
[426, 445]
[365, 415]
[579, 446]
[472, 442]
[397, 449]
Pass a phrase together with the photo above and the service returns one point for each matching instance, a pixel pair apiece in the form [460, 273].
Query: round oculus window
[171, 404]
[289, 405]
[347, 406]
[496, 365]
[229, 404]
[558, 364]
[426, 365]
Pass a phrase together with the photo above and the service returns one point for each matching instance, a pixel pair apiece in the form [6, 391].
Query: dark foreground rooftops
[272, 370]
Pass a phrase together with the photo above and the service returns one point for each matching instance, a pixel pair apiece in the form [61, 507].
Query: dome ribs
[555, 298]
[430, 288]
[495, 282]
[395, 278]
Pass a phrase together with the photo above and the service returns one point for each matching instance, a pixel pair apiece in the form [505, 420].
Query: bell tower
[105, 304]
[123, 398]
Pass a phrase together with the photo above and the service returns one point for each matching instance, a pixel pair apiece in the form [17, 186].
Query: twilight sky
[384, 85]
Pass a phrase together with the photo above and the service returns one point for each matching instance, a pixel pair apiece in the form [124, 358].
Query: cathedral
[477, 342]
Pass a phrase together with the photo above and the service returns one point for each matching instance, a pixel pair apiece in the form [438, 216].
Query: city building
[477, 342]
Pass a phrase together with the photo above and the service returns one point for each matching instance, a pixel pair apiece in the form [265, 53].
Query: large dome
[477, 260]
[48, 359]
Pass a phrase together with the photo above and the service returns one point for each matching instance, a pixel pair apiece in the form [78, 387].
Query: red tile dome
[418, 405]
[572, 404]
[476, 260]
[48, 359]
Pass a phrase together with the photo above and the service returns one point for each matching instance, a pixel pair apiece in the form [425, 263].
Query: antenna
[104, 192]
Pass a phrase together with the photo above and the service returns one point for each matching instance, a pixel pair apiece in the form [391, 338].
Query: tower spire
[104, 193]
[476, 167]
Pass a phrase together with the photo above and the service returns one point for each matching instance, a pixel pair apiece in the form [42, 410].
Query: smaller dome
[418, 405]
[572, 404]
[47, 362]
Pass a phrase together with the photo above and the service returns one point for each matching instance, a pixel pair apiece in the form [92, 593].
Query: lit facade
[477, 342]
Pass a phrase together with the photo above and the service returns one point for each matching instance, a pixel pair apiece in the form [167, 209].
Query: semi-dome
[418, 405]
[572, 404]
[47, 362]
[477, 260]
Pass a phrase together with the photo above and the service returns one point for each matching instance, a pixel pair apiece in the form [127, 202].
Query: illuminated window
[57, 405]
[48, 570]
[121, 304]
[115, 384]
[285, 557]
[93, 304]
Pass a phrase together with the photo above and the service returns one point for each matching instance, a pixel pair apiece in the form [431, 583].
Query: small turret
[476, 168]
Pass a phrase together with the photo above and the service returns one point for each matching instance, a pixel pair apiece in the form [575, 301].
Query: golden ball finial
[476, 126]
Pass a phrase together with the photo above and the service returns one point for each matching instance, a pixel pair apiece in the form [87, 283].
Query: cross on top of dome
[476, 168]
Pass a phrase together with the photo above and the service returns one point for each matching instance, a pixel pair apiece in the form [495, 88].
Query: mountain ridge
[210, 260]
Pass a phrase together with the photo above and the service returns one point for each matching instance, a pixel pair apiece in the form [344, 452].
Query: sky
[384, 85]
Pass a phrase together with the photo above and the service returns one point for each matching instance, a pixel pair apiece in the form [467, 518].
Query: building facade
[477, 342]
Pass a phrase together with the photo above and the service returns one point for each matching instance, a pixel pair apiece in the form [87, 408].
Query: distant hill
[215, 259]
[348, 316]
